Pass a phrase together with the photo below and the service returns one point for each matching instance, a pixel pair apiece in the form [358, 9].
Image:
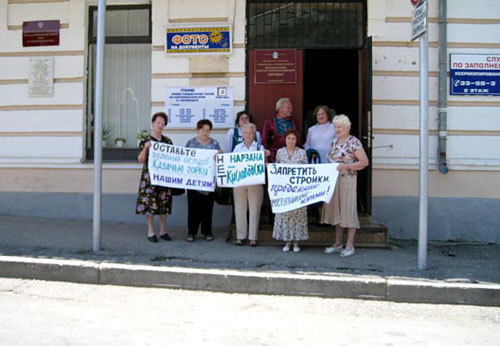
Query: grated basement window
[306, 24]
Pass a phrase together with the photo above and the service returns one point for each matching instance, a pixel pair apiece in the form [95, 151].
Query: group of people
[329, 141]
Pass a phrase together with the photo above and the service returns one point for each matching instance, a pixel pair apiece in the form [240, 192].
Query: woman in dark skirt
[153, 200]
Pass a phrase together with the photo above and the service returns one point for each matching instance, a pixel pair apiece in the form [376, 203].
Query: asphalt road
[54, 313]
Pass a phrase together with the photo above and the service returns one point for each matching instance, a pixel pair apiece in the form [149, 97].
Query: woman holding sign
[342, 211]
[248, 198]
[291, 226]
[201, 203]
[153, 200]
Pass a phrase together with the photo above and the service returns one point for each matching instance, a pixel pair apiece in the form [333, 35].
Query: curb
[232, 281]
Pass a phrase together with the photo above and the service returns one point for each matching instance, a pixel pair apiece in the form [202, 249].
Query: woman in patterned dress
[153, 200]
[342, 210]
[291, 226]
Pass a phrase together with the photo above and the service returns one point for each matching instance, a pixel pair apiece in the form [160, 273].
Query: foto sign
[475, 74]
[196, 40]
[419, 21]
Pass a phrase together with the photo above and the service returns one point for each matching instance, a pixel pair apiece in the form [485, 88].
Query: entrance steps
[370, 235]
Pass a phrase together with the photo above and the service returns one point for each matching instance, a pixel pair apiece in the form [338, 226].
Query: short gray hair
[280, 102]
[342, 119]
[248, 126]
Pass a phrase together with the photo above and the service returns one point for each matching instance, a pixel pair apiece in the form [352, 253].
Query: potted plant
[142, 135]
[106, 132]
[120, 142]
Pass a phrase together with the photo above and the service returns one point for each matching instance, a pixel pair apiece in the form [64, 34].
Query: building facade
[46, 144]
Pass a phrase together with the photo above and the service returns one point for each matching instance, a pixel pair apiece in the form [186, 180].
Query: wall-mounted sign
[275, 66]
[475, 74]
[41, 33]
[419, 21]
[185, 106]
[199, 40]
[41, 76]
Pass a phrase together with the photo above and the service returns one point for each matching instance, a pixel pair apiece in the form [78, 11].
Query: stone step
[369, 235]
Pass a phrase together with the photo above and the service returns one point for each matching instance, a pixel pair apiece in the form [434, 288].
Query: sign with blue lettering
[199, 40]
[185, 106]
[475, 74]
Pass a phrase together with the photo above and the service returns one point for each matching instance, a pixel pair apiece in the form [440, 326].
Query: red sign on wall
[41, 33]
[275, 66]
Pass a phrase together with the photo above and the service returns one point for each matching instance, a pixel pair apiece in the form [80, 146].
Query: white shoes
[348, 253]
[332, 249]
[296, 248]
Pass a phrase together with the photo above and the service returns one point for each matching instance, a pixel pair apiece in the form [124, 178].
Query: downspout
[443, 91]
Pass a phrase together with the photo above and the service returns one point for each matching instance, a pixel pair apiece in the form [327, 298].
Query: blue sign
[475, 74]
[189, 40]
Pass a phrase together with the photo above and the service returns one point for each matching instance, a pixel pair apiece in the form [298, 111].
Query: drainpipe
[443, 91]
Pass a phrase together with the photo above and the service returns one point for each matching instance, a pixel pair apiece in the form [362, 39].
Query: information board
[41, 33]
[185, 106]
[275, 66]
[41, 76]
[475, 74]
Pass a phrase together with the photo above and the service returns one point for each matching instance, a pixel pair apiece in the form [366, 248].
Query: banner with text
[240, 169]
[294, 186]
[185, 168]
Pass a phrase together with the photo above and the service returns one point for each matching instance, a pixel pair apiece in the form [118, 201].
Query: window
[127, 80]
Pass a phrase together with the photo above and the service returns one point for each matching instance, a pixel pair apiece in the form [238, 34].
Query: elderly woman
[248, 198]
[320, 136]
[291, 226]
[235, 135]
[153, 200]
[342, 210]
[201, 203]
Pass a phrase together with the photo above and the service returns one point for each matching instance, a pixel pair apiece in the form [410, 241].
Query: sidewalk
[50, 249]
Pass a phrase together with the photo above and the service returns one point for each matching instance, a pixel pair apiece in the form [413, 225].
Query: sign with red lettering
[415, 2]
[475, 74]
[41, 33]
[275, 66]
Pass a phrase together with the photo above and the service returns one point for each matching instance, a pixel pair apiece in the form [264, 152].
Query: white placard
[41, 76]
[185, 106]
[241, 169]
[294, 186]
[419, 21]
[185, 168]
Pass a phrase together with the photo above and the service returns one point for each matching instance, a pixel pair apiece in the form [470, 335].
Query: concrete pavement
[49, 249]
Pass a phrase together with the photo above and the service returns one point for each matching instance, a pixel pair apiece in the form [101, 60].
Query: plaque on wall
[275, 66]
[41, 33]
[41, 77]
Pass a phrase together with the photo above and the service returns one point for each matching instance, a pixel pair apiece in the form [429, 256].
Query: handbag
[176, 191]
[224, 195]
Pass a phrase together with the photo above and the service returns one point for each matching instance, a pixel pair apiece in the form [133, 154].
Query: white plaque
[41, 78]
[419, 21]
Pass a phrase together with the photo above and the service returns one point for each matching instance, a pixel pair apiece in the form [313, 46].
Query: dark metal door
[365, 123]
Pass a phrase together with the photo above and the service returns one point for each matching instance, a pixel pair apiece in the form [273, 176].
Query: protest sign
[295, 186]
[240, 169]
[185, 168]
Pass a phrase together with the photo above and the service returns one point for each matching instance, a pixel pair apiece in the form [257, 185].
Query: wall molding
[448, 21]
[392, 73]
[20, 27]
[44, 53]
[42, 134]
[433, 132]
[40, 107]
[434, 44]
[56, 80]
[435, 103]
[199, 75]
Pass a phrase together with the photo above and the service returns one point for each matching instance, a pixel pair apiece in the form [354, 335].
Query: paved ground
[54, 313]
[60, 250]
[127, 243]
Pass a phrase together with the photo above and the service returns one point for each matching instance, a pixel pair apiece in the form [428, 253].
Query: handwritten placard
[295, 186]
[240, 169]
[185, 168]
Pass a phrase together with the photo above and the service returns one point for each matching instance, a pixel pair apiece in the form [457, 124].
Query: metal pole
[101, 24]
[424, 149]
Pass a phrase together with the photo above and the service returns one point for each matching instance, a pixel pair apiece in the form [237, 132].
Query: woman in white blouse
[248, 197]
[320, 136]
[234, 135]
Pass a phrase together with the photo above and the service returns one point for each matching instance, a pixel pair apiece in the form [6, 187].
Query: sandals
[209, 238]
[238, 242]
[190, 239]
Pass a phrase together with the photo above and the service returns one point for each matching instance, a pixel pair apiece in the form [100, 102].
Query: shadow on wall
[115, 207]
[471, 219]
